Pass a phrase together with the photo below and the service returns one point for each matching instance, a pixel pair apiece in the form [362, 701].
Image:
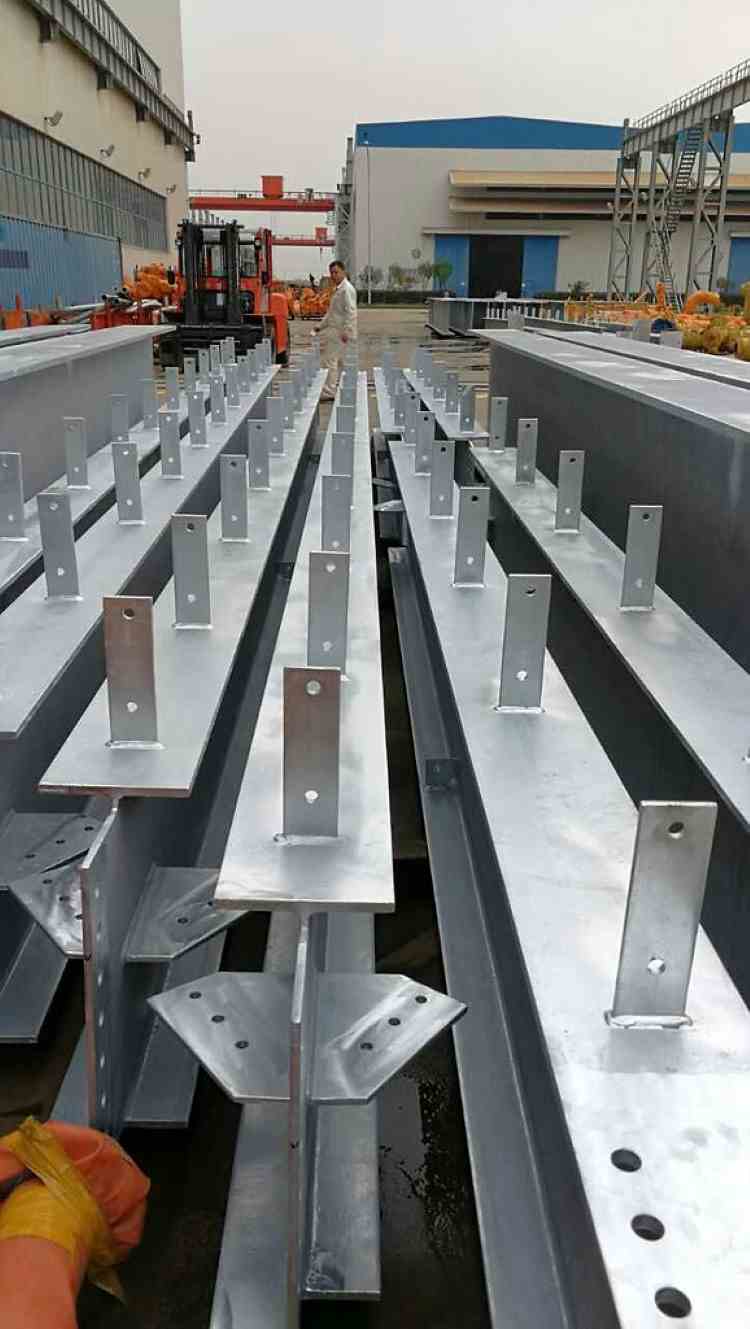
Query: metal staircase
[674, 201]
[672, 134]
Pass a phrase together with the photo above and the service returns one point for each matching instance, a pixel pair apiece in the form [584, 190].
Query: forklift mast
[226, 275]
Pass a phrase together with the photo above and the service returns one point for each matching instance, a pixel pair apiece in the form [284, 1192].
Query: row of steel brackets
[636, 1003]
[236, 376]
[51, 843]
[312, 1078]
[644, 520]
[332, 1033]
[444, 384]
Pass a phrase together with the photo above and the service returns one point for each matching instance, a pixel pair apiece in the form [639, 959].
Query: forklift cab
[226, 275]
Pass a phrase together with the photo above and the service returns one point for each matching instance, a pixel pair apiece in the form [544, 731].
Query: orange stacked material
[71, 1203]
[717, 335]
[313, 304]
[613, 311]
[698, 298]
[151, 282]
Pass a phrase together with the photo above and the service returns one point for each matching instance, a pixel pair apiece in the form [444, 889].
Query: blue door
[739, 261]
[539, 264]
[454, 249]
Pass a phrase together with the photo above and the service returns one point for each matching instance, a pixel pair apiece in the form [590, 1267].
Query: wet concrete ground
[432, 1276]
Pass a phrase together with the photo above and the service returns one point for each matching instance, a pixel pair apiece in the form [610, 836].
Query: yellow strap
[80, 1217]
[32, 1211]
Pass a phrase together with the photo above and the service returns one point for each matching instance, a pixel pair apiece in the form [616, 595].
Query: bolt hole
[189, 525]
[648, 1227]
[79, 917]
[63, 899]
[183, 920]
[217, 1019]
[128, 613]
[626, 1160]
[394, 1021]
[195, 995]
[242, 1044]
[30, 855]
[646, 516]
[47, 881]
[59, 842]
[421, 1000]
[673, 1303]
[366, 1047]
[531, 590]
[89, 828]
[676, 829]
[474, 498]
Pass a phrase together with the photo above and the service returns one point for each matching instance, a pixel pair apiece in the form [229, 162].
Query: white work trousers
[333, 354]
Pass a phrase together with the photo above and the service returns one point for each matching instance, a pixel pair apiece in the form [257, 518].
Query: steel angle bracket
[308, 1049]
[364, 1027]
[311, 1041]
[37, 851]
[143, 928]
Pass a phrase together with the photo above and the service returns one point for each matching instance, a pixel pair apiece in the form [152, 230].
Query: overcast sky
[277, 87]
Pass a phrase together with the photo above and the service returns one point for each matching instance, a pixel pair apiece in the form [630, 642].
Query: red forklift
[224, 284]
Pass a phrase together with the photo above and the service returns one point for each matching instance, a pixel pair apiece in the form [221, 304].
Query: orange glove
[79, 1204]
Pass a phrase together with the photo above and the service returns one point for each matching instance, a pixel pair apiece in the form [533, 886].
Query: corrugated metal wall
[43, 264]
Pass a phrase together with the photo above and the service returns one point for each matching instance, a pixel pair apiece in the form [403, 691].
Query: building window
[44, 181]
[14, 258]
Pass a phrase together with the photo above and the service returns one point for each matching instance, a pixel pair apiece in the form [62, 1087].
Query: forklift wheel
[283, 357]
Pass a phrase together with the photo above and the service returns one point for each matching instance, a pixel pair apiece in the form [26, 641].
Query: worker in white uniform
[339, 324]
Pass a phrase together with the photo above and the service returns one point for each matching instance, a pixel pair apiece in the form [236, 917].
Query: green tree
[442, 271]
[425, 273]
[395, 276]
[578, 289]
[375, 276]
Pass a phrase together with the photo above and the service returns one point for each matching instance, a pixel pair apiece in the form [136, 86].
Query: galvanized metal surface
[707, 698]
[667, 884]
[563, 830]
[22, 336]
[450, 425]
[721, 368]
[325, 1243]
[42, 383]
[524, 1274]
[16, 560]
[146, 926]
[651, 436]
[693, 399]
[86, 763]
[108, 554]
[19, 361]
[262, 870]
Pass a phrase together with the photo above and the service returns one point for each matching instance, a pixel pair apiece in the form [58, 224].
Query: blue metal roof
[503, 131]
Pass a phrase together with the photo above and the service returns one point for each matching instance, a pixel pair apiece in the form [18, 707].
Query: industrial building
[94, 144]
[512, 204]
